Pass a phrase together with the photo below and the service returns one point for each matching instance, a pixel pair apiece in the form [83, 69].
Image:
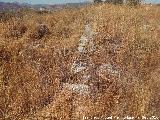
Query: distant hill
[11, 6]
[58, 6]
[16, 5]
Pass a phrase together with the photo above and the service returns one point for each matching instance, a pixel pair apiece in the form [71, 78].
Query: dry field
[94, 61]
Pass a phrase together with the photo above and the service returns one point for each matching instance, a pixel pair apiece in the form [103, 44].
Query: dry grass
[36, 60]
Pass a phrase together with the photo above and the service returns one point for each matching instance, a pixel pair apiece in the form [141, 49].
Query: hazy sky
[58, 1]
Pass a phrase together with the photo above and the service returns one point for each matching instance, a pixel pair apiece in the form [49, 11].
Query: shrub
[40, 31]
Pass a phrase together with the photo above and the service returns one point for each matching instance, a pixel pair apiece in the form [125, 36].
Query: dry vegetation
[37, 52]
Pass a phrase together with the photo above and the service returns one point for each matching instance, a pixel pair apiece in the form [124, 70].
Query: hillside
[6, 6]
[94, 61]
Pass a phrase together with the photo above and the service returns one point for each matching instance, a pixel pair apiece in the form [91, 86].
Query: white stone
[78, 66]
[88, 30]
[82, 44]
[78, 88]
[86, 40]
[110, 68]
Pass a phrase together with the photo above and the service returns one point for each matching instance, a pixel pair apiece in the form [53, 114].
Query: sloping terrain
[94, 61]
[11, 6]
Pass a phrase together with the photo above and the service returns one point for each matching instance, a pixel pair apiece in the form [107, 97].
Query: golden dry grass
[34, 63]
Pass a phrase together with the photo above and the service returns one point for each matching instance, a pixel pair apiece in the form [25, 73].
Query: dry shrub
[34, 67]
[40, 31]
[15, 30]
[141, 57]
[30, 88]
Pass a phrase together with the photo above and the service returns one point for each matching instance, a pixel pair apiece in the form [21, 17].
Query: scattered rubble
[77, 88]
[78, 66]
[86, 43]
[82, 44]
[108, 69]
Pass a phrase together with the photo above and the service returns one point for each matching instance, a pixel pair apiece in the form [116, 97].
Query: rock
[108, 69]
[88, 31]
[86, 43]
[78, 66]
[77, 88]
[83, 44]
